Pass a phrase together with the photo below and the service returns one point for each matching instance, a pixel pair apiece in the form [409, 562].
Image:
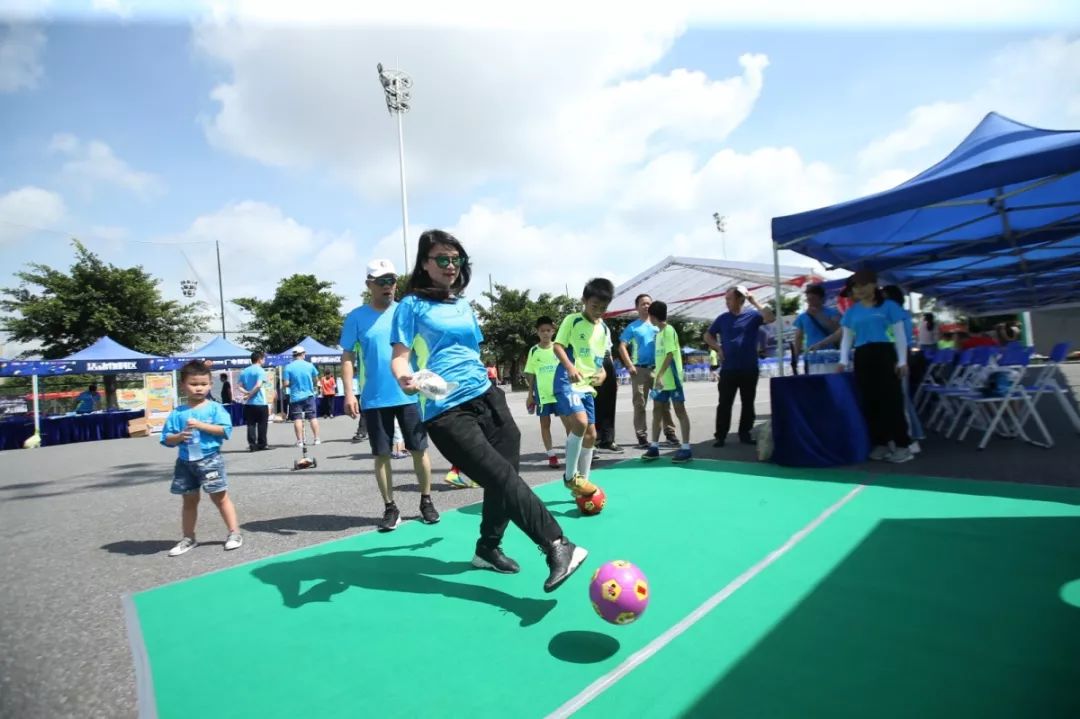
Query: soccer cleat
[459, 481]
[553, 462]
[650, 454]
[495, 560]
[184, 546]
[880, 453]
[682, 455]
[428, 513]
[563, 559]
[391, 519]
[234, 541]
[579, 486]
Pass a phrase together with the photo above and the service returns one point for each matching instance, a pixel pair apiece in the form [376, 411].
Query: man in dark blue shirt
[734, 336]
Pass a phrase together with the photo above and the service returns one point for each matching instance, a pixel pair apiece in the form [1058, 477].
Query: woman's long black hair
[420, 282]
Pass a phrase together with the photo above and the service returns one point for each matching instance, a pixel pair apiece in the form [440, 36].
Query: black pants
[480, 438]
[605, 405]
[882, 393]
[745, 383]
[256, 417]
[326, 406]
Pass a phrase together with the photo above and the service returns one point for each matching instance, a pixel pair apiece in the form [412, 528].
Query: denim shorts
[568, 403]
[208, 473]
[302, 408]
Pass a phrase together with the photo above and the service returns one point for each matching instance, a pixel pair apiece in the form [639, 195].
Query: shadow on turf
[924, 618]
[582, 647]
[287, 526]
[377, 568]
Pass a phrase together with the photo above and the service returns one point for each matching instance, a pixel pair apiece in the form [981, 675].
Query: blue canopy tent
[317, 353]
[221, 352]
[992, 228]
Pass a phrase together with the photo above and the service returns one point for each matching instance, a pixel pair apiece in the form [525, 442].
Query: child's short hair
[544, 320]
[658, 310]
[195, 368]
[599, 288]
[257, 355]
[223, 376]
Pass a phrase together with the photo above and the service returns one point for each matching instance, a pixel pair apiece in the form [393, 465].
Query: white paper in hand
[432, 385]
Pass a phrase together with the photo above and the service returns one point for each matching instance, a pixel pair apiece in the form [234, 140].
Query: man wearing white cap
[365, 342]
[299, 378]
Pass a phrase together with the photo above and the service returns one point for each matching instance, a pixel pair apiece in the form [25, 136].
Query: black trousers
[605, 405]
[256, 417]
[326, 406]
[882, 393]
[479, 437]
[745, 383]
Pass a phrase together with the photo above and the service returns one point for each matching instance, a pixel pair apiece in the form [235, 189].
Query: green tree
[67, 311]
[509, 323]
[302, 305]
[791, 304]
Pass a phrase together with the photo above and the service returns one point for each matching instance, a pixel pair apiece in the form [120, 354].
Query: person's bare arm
[624, 355]
[399, 365]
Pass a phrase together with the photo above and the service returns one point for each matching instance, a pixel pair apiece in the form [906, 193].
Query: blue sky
[554, 155]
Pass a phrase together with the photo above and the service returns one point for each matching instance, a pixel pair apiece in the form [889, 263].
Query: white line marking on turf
[146, 704]
[605, 682]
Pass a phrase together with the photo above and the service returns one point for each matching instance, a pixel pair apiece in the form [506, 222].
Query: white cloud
[1036, 82]
[94, 163]
[116, 8]
[25, 211]
[21, 47]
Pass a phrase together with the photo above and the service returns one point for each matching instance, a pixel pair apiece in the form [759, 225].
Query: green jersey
[667, 343]
[542, 364]
[586, 344]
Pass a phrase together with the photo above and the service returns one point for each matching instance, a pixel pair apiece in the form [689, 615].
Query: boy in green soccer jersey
[668, 385]
[581, 344]
[540, 374]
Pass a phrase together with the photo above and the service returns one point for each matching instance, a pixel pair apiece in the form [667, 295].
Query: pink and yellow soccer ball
[619, 592]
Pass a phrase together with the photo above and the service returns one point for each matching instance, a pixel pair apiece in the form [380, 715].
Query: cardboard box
[138, 427]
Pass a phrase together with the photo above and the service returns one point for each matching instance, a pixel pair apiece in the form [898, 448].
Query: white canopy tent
[694, 287]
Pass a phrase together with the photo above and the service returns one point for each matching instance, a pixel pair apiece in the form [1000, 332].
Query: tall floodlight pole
[220, 287]
[720, 219]
[397, 87]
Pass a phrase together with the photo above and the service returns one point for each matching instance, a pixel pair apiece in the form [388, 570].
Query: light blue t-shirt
[871, 324]
[253, 376]
[301, 376]
[202, 444]
[812, 334]
[445, 338]
[366, 333]
[86, 402]
[640, 337]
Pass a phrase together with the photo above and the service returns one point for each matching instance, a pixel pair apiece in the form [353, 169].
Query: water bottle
[194, 448]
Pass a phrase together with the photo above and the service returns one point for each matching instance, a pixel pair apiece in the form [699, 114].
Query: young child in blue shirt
[435, 328]
[198, 429]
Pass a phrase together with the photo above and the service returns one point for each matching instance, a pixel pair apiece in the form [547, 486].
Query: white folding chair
[996, 413]
[1046, 383]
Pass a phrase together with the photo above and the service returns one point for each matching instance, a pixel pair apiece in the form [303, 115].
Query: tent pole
[1026, 328]
[779, 310]
[37, 406]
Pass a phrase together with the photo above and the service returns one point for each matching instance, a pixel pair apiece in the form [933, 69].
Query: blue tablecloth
[66, 429]
[817, 421]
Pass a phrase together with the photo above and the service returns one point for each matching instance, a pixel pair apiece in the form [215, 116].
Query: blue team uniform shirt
[738, 336]
[445, 338]
[253, 376]
[366, 333]
[871, 324]
[86, 402]
[300, 374]
[204, 444]
[640, 336]
[811, 333]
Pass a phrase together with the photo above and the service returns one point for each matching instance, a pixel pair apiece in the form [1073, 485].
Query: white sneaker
[300, 443]
[880, 452]
[914, 447]
[901, 455]
[234, 541]
[183, 546]
[318, 441]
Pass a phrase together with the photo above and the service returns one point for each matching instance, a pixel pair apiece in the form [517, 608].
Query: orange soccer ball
[593, 503]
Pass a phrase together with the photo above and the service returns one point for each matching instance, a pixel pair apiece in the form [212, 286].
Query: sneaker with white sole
[880, 453]
[184, 546]
[234, 541]
[900, 455]
[318, 441]
[563, 559]
[300, 443]
[914, 447]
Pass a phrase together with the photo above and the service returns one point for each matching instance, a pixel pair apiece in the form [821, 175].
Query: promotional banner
[131, 399]
[159, 399]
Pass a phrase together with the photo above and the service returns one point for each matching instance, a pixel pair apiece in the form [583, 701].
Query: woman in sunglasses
[434, 328]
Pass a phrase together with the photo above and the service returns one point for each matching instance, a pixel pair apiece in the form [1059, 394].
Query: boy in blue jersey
[365, 342]
[581, 344]
[198, 428]
[299, 378]
[540, 374]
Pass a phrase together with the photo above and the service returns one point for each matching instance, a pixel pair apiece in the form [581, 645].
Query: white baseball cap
[378, 268]
[742, 290]
[298, 350]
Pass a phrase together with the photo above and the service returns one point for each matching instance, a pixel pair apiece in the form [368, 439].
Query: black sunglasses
[444, 261]
[384, 281]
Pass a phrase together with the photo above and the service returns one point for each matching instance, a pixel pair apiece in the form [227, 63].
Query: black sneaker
[428, 513]
[747, 439]
[495, 560]
[719, 442]
[391, 519]
[563, 559]
[642, 442]
[671, 442]
[610, 447]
